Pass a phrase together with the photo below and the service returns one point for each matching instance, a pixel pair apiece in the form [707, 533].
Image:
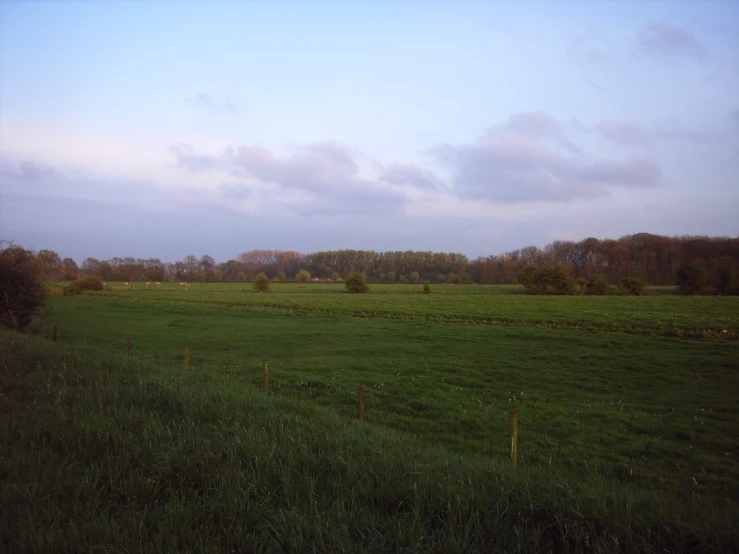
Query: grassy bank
[102, 453]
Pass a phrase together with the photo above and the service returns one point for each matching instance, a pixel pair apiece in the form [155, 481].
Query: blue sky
[164, 129]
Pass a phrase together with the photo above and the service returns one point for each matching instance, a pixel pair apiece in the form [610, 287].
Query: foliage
[217, 276]
[426, 288]
[691, 277]
[632, 285]
[91, 282]
[414, 276]
[21, 292]
[582, 283]
[546, 280]
[261, 283]
[241, 276]
[303, 276]
[598, 284]
[356, 283]
[725, 279]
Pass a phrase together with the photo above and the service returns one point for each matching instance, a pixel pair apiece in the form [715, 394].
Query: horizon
[475, 128]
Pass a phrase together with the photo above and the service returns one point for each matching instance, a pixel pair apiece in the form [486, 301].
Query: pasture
[618, 395]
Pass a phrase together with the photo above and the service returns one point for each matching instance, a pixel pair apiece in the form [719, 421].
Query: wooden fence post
[55, 330]
[266, 376]
[187, 358]
[84, 338]
[514, 438]
[129, 347]
[361, 403]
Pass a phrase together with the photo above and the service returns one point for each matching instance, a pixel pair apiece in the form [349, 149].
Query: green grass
[628, 439]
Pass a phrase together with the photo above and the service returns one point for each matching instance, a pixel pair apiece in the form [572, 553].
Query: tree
[241, 276]
[69, 267]
[556, 278]
[582, 282]
[426, 288]
[724, 280]
[356, 283]
[335, 276]
[598, 284]
[303, 276]
[281, 276]
[217, 275]
[691, 277]
[632, 285]
[261, 283]
[441, 278]
[50, 264]
[207, 266]
[21, 292]
[414, 276]
[390, 276]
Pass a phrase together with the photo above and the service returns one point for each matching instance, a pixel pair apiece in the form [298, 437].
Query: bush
[548, 279]
[21, 291]
[632, 285]
[356, 283]
[725, 280]
[582, 283]
[426, 288]
[598, 284]
[303, 276]
[261, 283]
[86, 283]
[691, 277]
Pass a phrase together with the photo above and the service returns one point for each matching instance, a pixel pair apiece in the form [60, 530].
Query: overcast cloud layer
[156, 129]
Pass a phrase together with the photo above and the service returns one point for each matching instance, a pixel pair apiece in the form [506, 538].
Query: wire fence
[539, 442]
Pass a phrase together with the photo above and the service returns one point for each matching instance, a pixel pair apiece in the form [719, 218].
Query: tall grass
[99, 453]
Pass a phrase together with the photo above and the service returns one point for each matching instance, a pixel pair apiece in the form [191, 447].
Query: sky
[162, 129]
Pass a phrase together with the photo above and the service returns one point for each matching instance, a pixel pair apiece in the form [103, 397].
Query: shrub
[598, 284]
[632, 285]
[582, 283]
[426, 288]
[261, 283]
[725, 280]
[691, 277]
[86, 283]
[21, 291]
[241, 276]
[303, 276]
[543, 280]
[356, 283]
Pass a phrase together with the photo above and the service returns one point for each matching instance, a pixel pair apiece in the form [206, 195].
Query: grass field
[619, 398]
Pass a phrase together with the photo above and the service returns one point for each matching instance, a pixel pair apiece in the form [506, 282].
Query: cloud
[207, 101]
[530, 159]
[187, 158]
[402, 174]
[660, 39]
[29, 172]
[624, 133]
[630, 134]
[319, 178]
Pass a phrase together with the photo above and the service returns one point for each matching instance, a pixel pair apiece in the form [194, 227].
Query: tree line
[655, 259]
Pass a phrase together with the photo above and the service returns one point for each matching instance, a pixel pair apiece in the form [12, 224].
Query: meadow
[627, 409]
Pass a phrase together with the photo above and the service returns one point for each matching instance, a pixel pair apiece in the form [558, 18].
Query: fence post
[361, 403]
[129, 347]
[55, 330]
[266, 376]
[84, 338]
[514, 438]
[187, 358]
